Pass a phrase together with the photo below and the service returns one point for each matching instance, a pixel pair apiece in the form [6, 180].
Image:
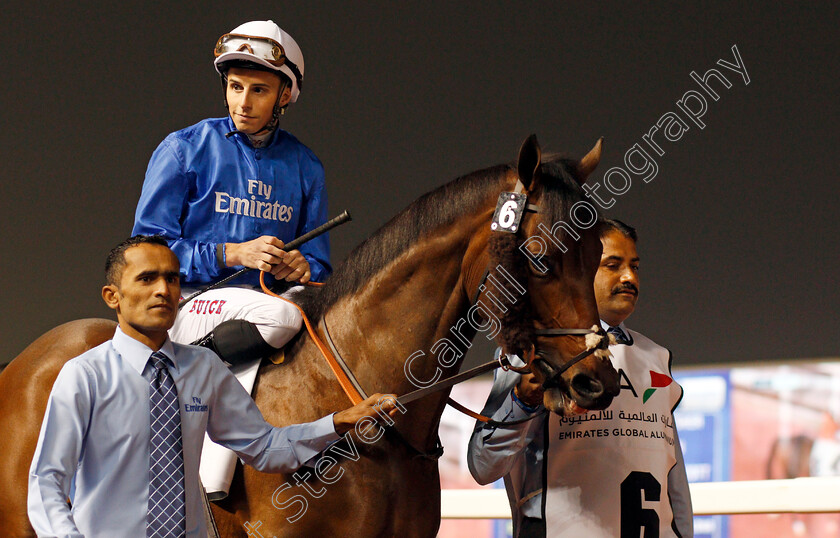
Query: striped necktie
[620, 337]
[166, 517]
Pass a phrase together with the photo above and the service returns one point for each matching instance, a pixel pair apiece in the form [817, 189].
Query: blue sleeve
[161, 207]
[493, 450]
[236, 423]
[313, 214]
[57, 454]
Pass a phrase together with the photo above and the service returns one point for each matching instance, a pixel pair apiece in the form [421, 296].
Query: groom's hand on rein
[374, 407]
[529, 391]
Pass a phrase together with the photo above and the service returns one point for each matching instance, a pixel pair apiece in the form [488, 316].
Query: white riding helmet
[265, 44]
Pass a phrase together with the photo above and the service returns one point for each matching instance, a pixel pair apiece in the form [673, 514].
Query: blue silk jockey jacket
[204, 188]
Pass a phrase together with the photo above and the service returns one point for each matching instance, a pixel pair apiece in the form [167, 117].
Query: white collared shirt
[96, 432]
[606, 326]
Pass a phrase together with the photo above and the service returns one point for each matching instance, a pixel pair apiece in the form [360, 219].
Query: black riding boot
[236, 341]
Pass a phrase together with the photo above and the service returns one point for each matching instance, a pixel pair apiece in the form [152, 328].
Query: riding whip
[291, 245]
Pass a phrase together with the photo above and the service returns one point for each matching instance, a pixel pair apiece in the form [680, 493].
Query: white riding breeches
[276, 319]
[277, 322]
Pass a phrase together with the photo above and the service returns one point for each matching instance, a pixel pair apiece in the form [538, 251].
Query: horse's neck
[400, 314]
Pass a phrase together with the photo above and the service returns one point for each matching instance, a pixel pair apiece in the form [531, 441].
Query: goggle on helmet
[266, 49]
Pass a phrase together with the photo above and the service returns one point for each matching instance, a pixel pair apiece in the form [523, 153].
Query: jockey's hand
[293, 268]
[375, 407]
[529, 390]
[263, 253]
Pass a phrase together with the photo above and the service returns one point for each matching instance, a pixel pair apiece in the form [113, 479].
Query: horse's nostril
[587, 387]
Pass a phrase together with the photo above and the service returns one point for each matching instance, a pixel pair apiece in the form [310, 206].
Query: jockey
[226, 193]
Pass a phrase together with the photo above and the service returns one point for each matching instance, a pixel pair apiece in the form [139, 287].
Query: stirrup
[278, 357]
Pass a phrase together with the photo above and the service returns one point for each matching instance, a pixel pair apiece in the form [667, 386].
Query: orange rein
[343, 380]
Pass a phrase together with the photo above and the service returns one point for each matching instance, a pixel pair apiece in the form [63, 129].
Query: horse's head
[556, 250]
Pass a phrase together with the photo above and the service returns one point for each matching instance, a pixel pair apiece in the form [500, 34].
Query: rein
[291, 245]
[349, 384]
[342, 373]
[596, 338]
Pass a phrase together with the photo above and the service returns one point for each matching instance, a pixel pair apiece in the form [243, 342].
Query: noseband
[602, 343]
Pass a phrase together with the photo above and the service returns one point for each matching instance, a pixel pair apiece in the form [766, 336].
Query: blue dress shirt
[513, 452]
[96, 430]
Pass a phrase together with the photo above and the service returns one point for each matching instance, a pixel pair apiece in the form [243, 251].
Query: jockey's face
[251, 96]
[146, 299]
[617, 279]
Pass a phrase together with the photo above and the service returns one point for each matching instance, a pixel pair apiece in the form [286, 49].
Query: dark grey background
[739, 238]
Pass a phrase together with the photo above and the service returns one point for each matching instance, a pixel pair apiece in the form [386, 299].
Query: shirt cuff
[325, 428]
[522, 405]
[221, 255]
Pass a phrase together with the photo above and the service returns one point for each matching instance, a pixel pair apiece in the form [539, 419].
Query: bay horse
[399, 310]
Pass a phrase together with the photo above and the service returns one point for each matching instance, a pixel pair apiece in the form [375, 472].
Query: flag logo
[657, 381]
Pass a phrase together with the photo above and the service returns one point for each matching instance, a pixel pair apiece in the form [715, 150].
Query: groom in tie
[125, 421]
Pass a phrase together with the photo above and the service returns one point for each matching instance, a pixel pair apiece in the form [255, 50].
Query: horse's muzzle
[588, 390]
[591, 393]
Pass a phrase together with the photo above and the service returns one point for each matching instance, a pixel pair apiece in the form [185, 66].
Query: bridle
[596, 340]
[599, 340]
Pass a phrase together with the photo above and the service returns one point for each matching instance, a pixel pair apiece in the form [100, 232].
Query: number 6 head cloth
[509, 210]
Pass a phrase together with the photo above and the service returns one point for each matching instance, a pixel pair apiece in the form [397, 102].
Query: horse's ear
[588, 164]
[529, 160]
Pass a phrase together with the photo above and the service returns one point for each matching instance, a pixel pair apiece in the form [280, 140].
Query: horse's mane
[434, 209]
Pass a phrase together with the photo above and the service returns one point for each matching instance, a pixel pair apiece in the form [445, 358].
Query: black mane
[434, 209]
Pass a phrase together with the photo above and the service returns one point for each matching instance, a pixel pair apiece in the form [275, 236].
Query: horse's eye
[536, 272]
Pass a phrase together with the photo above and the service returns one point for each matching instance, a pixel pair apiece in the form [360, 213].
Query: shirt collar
[137, 354]
[621, 327]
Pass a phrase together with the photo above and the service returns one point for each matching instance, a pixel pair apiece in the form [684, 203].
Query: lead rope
[489, 421]
[349, 387]
[343, 380]
[348, 384]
